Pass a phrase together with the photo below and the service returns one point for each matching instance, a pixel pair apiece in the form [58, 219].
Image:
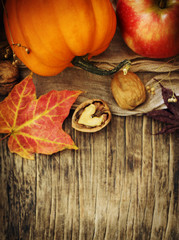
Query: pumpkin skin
[55, 31]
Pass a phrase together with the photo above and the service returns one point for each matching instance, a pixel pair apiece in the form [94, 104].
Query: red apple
[150, 27]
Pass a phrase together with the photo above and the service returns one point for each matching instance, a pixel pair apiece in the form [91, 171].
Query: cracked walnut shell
[128, 90]
[91, 116]
[8, 77]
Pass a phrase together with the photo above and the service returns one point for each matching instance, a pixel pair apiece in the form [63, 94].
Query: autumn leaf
[169, 116]
[35, 125]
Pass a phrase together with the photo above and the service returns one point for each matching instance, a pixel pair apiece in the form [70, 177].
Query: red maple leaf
[35, 125]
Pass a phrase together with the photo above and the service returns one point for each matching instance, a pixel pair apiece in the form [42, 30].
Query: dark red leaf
[169, 116]
[166, 94]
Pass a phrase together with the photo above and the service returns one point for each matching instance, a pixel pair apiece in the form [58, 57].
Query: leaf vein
[24, 149]
[35, 118]
[21, 96]
[35, 138]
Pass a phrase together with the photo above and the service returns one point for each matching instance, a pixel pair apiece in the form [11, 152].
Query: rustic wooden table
[122, 183]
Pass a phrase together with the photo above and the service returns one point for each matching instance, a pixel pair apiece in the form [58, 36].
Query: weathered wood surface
[122, 183]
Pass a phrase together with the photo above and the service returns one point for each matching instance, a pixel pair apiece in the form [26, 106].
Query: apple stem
[162, 4]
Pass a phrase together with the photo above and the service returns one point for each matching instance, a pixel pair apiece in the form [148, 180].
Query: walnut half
[91, 116]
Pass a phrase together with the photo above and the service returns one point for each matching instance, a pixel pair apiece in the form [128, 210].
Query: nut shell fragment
[128, 90]
[101, 113]
[8, 77]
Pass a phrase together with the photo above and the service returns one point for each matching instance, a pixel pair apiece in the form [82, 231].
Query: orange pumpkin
[56, 31]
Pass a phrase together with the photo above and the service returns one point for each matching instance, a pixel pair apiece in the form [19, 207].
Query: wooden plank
[122, 183]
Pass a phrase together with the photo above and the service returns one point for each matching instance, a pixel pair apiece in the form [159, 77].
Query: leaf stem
[85, 64]
[6, 136]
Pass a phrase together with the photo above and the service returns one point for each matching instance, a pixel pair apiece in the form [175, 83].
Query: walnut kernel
[91, 116]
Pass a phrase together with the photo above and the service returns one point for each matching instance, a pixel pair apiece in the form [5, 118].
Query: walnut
[128, 90]
[8, 77]
[91, 116]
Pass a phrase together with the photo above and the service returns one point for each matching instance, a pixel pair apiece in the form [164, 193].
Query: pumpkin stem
[85, 64]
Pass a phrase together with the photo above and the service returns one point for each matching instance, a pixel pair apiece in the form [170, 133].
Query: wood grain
[122, 183]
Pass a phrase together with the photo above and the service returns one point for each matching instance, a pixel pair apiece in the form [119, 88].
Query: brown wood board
[122, 183]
